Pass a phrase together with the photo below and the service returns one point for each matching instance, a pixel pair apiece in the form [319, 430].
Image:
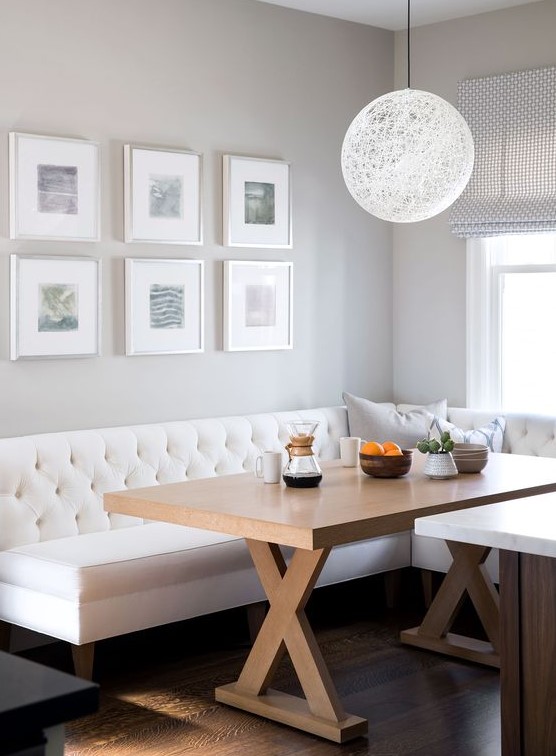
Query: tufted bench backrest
[51, 485]
[530, 434]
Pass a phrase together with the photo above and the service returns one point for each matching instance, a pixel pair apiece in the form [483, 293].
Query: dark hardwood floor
[157, 686]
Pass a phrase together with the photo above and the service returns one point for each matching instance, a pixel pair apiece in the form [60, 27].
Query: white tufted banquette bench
[71, 571]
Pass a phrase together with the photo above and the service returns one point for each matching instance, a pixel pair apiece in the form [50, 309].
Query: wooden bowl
[385, 466]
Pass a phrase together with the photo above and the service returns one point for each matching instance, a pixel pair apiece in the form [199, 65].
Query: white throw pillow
[378, 422]
[491, 434]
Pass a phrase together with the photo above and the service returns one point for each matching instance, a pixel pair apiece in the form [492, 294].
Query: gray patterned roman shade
[512, 189]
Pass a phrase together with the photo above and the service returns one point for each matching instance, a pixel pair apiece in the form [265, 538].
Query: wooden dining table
[347, 506]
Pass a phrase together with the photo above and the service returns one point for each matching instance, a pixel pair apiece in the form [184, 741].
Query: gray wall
[215, 76]
[429, 263]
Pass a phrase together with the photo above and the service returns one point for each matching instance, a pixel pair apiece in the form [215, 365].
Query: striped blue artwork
[167, 306]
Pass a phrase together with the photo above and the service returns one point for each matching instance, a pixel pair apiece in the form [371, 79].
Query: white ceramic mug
[349, 450]
[269, 466]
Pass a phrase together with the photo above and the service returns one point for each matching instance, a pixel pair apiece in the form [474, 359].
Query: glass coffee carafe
[302, 470]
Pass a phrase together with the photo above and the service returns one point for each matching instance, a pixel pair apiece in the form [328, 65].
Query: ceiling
[392, 14]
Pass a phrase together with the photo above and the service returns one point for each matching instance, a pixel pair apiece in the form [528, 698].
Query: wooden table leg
[467, 573]
[527, 680]
[286, 628]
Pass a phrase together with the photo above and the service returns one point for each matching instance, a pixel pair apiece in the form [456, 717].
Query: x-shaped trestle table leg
[467, 573]
[286, 628]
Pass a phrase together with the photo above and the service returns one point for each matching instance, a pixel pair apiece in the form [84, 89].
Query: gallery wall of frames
[56, 300]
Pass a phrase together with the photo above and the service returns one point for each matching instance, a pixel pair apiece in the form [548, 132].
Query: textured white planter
[440, 466]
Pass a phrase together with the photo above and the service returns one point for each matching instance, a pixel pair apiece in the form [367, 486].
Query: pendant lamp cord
[408, 46]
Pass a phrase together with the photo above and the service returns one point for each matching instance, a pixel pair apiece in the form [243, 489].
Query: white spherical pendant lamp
[407, 155]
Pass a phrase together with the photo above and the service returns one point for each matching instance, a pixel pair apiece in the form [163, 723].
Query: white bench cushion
[97, 585]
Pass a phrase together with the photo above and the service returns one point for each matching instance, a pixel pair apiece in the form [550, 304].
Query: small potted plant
[439, 463]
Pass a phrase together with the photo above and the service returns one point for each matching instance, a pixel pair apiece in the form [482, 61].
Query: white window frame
[484, 300]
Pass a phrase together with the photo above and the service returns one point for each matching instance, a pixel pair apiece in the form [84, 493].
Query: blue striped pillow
[491, 434]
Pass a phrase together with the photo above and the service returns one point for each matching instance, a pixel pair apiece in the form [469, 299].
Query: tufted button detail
[57, 492]
[17, 494]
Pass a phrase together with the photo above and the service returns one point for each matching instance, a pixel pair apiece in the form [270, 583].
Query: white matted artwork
[164, 306]
[162, 195]
[256, 202]
[54, 306]
[258, 305]
[54, 188]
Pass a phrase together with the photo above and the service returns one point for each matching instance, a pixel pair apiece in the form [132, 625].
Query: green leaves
[432, 446]
[423, 446]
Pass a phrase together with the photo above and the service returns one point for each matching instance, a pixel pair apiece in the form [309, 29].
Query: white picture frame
[162, 195]
[258, 305]
[257, 207]
[164, 301]
[54, 188]
[55, 306]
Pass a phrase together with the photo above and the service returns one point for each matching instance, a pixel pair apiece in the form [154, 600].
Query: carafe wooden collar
[300, 446]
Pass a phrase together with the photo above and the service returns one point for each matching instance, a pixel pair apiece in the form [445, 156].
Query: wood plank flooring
[157, 686]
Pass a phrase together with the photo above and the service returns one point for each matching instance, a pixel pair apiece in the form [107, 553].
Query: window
[511, 323]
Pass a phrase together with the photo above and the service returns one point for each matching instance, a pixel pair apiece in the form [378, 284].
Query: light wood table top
[347, 506]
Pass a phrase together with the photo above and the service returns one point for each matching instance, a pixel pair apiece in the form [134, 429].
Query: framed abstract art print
[54, 188]
[258, 305]
[256, 202]
[162, 196]
[164, 306]
[54, 306]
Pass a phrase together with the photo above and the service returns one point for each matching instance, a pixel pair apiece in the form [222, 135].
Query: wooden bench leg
[256, 614]
[426, 582]
[83, 657]
[392, 587]
[5, 635]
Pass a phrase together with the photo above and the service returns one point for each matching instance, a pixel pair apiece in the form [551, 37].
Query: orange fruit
[390, 446]
[373, 448]
[393, 453]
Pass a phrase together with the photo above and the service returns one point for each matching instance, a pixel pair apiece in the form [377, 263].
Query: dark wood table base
[528, 638]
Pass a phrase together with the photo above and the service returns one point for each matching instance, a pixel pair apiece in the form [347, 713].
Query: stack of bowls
[470, 458]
